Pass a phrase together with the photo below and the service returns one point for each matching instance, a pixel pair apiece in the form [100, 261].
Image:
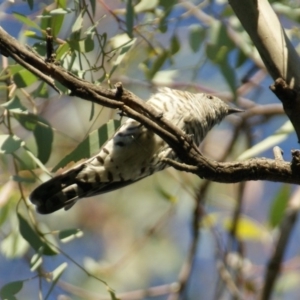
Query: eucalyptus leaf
[33, 238]
[90, 145]
[129, 17]
[9, 143]
[10, 289]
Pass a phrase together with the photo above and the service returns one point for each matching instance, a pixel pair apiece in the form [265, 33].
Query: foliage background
[138, 238]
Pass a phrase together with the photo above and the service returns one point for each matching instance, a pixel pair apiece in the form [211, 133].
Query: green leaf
[41, 91]
[175, 45]
[62, 50]
[13, 245]
[9, 143]
[113, 294]
[166, 195]
[42, 132]
[10, 289]
[14, 105]
[78, 24]
[229, 75]
[280, 135]
[279, 205]
[36, 260]
[93, 5]
[56, 274]
[43, 135]
[145, 5]
[167, 8]
[163, 25]
[60, 11]
[45, 19]
[4, 213]
[167, 4]
[25, 20]
[85, 45]
[157, 64]
[91, 144]
[92, 111]
[88, 44]
[62, 3]
[218, 41]
[217, 51]
[57, 22]
[24, 78]
[33, 238]
[129, 18]
[30, 4]
[18, 178]
[36, 160]
[122, 52]
[196, 36]
[69, 234]
[241, 58]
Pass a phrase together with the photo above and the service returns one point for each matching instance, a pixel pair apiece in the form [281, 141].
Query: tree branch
[277, 52]
[192, 160]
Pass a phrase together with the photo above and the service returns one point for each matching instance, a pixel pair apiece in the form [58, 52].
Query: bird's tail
[59, 192]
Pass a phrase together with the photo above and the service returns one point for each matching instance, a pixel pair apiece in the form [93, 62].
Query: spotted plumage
[134, 152]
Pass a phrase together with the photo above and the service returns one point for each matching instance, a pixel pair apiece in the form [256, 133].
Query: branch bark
[192, 160]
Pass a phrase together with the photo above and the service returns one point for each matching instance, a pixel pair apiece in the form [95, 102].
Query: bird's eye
[210, 97]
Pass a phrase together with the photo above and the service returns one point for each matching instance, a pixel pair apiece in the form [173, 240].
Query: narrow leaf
[175, 45]
[280, 135]
[229, 75]
[36, 160]
[166, 195]
[157, 64]
[9, 143]
[57, 22]
[24, 78]
[36, 260]
[93, 5]
[145, 5]
[30, 4]
[113, 294]
[279, 205]
[42, 132]
[90, 145]
[18, 178]
[32, 238]
[10, 289]
[129, 18]
[13, 245]
[59, 11]
[69, 234]
[56, 274]
[78, 24]
[122, 53]
[196, 36]
[14, 105]
[25, 20]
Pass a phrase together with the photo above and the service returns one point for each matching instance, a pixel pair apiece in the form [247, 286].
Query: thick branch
[132, 106]
[277, 52]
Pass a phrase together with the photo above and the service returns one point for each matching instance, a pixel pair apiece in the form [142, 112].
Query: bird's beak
[233, 110]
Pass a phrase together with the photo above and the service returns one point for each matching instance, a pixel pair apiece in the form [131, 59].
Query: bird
[134, 152]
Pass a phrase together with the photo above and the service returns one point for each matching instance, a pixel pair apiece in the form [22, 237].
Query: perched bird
[134, 152]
